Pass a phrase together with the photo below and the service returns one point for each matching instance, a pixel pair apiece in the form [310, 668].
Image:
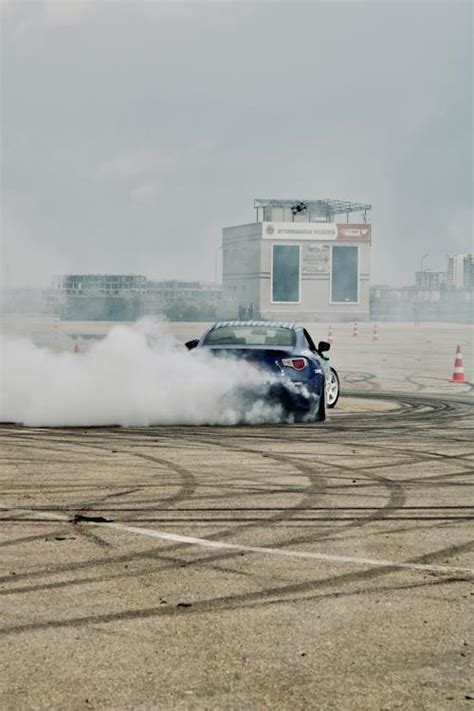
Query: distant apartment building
[127, 297]
[429, 279]
[409, 303]
[460, 271]
[468, 273]
[99, 297]
[436, 296]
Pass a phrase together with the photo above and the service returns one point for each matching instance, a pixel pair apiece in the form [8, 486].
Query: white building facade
[298, 262]
[460, 271]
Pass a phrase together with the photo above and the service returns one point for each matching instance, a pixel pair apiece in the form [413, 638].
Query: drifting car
[302, 381]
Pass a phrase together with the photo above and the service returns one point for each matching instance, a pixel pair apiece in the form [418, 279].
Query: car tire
[322, 406]
[332, 389]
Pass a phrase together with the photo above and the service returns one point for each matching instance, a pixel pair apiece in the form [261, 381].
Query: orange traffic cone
[329, 337]
[458, 374]
[76, 347]
[375, 336]
[355, 331]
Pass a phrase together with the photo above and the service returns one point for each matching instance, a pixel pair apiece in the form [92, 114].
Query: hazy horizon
[134, 132]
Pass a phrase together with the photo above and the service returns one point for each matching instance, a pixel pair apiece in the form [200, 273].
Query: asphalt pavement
[324, 566]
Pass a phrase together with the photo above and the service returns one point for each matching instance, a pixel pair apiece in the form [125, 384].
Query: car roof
[258, 324]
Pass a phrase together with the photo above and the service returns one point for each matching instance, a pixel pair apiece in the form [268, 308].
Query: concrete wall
[241, 274]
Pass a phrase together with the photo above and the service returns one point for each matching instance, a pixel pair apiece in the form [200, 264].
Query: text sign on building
[315, 259]
[322, 231]
[299, 230]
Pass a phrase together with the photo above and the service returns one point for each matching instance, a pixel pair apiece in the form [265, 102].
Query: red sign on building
[354, 232]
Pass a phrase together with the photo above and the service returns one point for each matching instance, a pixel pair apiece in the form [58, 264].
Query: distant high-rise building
[456, 270]
[469, 271]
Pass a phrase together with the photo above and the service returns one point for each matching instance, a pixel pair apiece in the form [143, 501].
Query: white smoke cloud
[136, 376]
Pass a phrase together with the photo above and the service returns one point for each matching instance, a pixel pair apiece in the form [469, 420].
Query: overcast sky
[134, 131]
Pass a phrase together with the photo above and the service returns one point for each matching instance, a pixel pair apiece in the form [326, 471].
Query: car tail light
[296, 363]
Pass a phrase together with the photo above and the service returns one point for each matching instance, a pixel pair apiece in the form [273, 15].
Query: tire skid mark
[353, 376]
[452, 405]
[183, 493]
[315, 487]
[396, 497]
[34, 537]
[237, 601]
[254, 521]
[375, 515]
[268, 439]
[169, 562]
[301, 467]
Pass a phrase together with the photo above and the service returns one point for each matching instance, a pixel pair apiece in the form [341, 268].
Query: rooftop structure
[323, 210]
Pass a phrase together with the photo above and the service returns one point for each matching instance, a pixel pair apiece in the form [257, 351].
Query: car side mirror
[192, 344]
[323, 346]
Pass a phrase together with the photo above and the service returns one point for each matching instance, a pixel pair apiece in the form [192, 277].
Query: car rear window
[250, 336]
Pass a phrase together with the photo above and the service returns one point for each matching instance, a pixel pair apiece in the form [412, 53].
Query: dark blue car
[303, 382]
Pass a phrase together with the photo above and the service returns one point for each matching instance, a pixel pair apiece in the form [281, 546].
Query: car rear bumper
[294, 396]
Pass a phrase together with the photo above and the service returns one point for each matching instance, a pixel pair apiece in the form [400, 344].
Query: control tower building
[301, 260]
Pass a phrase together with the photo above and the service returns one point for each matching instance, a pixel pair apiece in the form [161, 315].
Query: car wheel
[322, 407]
[332, 389]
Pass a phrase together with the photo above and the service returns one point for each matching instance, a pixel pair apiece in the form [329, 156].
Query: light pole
[423, 259]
